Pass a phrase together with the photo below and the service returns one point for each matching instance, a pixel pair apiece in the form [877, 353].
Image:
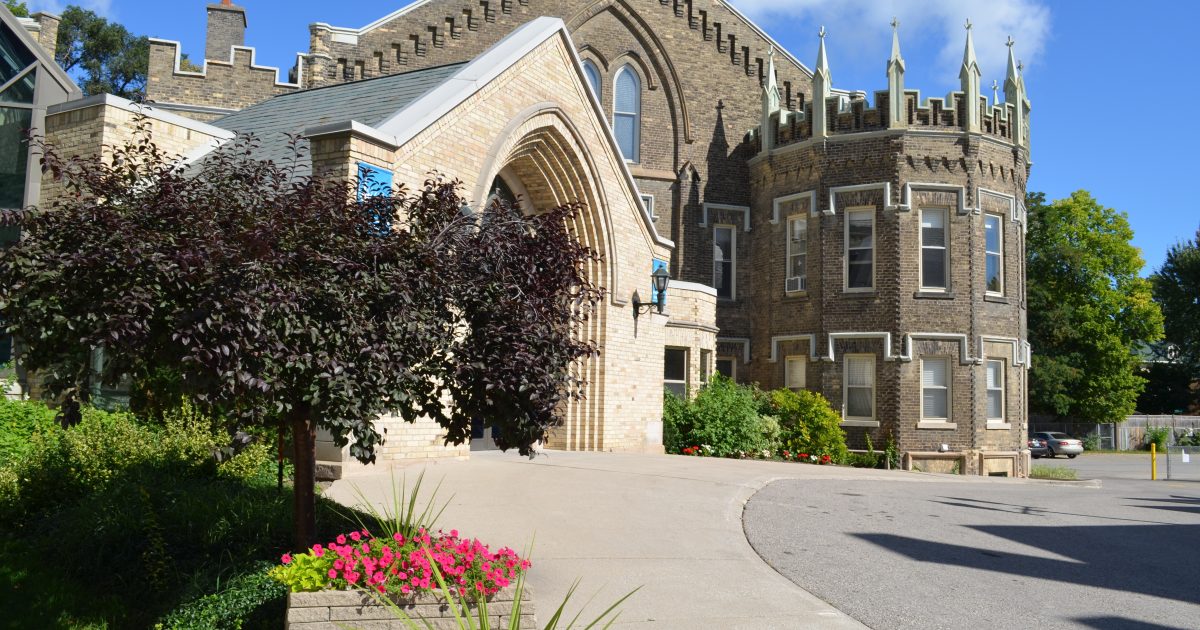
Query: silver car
[1060, 444]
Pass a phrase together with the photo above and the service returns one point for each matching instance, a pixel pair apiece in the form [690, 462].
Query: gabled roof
[370, 102]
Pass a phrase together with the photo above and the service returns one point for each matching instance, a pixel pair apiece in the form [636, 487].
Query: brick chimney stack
[226, 28]
[48, 35]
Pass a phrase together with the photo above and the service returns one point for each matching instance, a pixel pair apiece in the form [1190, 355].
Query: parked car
[1060, 444]
[1037, 447]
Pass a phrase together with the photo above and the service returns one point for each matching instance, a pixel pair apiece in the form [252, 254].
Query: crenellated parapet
[897, 108]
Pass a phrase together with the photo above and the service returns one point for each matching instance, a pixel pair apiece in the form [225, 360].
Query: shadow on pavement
[1119, 623]
[1014, 508]
[1177, 503]
[1156, 560]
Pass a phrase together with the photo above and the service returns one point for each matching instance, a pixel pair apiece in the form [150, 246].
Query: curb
[1081, 483]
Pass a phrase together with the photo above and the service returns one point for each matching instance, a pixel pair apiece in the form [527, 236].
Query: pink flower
[332, 573]
[287, 558]
[341, 539]
[355, 536]
[398, 538]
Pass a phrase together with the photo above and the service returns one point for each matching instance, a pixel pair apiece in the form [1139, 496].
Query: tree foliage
[1088, 309]
[19, 9]
[1177, 291]
[271, 299]
[109, 59]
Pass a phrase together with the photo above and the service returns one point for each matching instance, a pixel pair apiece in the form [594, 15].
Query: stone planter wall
[338, 610]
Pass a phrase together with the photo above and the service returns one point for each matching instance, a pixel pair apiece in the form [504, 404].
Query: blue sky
[1111, 107]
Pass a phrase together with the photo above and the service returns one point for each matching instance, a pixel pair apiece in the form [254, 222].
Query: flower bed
[347, 578]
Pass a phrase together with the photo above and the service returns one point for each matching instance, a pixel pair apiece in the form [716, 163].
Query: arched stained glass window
[593, 76]
[627, 112]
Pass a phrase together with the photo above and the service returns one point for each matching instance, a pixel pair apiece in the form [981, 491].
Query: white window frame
[732, 260]
[803, 220]
[705, 366]
[1003, 389]
[790, 372]
[945, 212]
[732, 365]
[846, 249]
[859, 420]
[687, 358]
[596, 88]
[637, 116]
[948, 388]
[648, 201]
[999, 254]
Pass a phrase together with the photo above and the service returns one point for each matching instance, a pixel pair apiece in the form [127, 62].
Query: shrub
[1157, 436]
[865, 460]
[1091, 442]
[1042, 471]
[723, 417]
[675, 418]
[160, 521]
[19, 421]
[808, 423]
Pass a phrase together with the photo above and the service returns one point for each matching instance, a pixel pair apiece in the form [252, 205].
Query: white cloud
[102, 8]
[862, 28]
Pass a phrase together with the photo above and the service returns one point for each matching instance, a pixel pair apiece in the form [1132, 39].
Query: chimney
[48, 35]
[226, 28]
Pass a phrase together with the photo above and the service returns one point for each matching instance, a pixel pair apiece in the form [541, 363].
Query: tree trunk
[304, 458]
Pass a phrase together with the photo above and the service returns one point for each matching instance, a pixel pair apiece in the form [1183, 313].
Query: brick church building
[871, 250]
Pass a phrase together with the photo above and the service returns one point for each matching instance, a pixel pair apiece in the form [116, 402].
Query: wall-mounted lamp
[660, 278]
[944, 448]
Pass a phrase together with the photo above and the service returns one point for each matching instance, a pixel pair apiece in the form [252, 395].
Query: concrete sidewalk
[616, 521]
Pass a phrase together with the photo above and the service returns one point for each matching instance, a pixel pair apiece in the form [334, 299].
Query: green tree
[18, 9]
[1177, 291]
[1088, 309]
[285, 302]
[108, 58]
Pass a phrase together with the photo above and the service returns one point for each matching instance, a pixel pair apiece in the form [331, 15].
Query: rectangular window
[995, 390]
[934, 259]
[797, 254]
[705, 366]
[994, 246]
[935, 389]
[648, 201]
[859, 387]
[724, 250]
[14, 161]
[860, 250]
[675, 371]
[727, 368]
[794, 372]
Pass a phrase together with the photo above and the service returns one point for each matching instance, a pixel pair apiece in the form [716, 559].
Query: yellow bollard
[1153, 461]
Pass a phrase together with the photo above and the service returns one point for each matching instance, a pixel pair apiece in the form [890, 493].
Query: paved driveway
[1108, 465]
[997, 554]
[670, 524]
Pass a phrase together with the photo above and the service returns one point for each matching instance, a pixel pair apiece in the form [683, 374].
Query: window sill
[937, 424]
[997, 425]
[860, 423]
[933, 295]
[998, 299]
[858, 293]
[795, 295]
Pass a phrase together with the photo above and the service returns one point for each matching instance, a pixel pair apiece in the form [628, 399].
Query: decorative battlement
[897, 108]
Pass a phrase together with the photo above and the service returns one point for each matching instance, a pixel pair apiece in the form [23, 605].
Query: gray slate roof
[370, 102]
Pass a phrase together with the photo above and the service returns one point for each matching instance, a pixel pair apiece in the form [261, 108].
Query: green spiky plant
[402, 516]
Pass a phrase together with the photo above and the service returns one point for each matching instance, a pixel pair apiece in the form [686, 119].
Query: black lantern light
[660, 278]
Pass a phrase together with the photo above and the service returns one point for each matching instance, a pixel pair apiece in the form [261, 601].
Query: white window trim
[636, 158]
[860, 421]
[598, 87]
[945, 251]
[846, 250]
[1001, 422]
[687, 359]
[949, 362]
[1000, 234]
[788, 260]
[787, 371]
[706, 366]
[732, 260]
[648, 201]
[732, 365]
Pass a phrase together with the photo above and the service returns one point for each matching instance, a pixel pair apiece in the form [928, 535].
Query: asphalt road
[1107, 465]
[987, 554]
